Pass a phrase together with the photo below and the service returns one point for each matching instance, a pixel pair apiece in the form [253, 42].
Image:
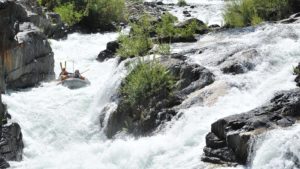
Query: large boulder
[191, 77]
[232, 136]
[133, 120]
[26, 55]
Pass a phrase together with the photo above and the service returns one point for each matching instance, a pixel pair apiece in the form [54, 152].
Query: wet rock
[237, 131]
[3, 163]
[133, 120]
[240, 62]
[186, 14]
[214, 26]
[109, 52]
[191, 77]
[104, 55]
[11, 143]
[113, 46]
[27, 57]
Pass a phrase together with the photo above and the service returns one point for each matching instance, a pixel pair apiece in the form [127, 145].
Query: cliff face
[26, 55]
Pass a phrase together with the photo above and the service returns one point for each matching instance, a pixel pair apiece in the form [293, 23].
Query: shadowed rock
[109, 52]
[235, 132]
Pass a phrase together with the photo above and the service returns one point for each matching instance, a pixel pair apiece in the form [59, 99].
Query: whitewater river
[61, 127]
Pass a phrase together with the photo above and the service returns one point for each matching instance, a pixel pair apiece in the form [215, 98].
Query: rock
[159, 3]
[109, 52]
[214, 26]
[27, 57]
[186, 12]
[202, 28]
[11, 143]
[104, 55]
[240, 62]
[237, 131]
[191, 77]
[125, 119]
[49, 22]
[113, 46]
[3, 163]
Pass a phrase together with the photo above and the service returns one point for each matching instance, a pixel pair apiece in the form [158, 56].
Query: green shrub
[189, 30]
[101, 13]
[92, 14]
[138, 42]
[166, 28]
[68, 13]
[272, 9]
[164, 49]
[147, 83]
[181, 3]
[241, 13]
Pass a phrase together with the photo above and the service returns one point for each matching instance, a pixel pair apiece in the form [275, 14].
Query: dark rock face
[109, 52]
[11, 143]
[231, 136]
[26, 55]
[190, 77]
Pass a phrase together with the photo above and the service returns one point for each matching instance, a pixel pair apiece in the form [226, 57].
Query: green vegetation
[164, 49]
[138, 42]
[296, 70]
[167, 29]
[181, 3]
[147, 83]
[102, 13]
[68, 14]
[93, 14]
[241, 13]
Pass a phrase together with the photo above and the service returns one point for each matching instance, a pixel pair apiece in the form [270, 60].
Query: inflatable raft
[75, 83]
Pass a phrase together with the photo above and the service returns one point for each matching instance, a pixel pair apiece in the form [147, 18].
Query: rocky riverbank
[26, 55]
[26, 60]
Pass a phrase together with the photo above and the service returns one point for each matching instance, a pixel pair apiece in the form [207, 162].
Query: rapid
[61, 127]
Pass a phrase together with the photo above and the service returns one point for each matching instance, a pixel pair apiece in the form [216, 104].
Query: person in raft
[64, 74]
[78, 75]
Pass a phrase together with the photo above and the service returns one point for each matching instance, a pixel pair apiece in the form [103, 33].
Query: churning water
[61, 127]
